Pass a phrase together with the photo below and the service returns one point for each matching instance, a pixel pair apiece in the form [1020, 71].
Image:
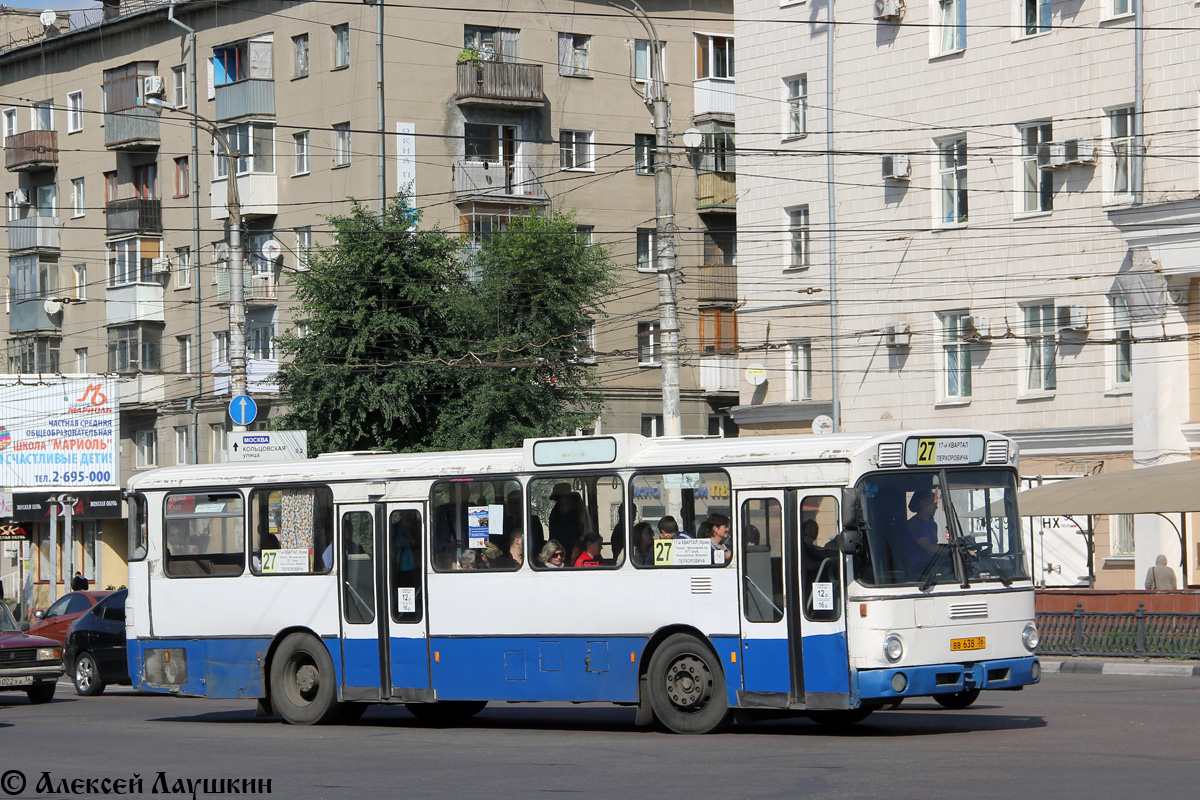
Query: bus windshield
[928, 528]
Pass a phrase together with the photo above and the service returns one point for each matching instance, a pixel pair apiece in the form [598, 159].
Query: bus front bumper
[919, 681]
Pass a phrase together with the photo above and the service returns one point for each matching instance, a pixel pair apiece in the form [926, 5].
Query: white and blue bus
[691, 578]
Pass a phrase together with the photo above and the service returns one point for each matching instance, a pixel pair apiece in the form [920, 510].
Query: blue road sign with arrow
[243, 409]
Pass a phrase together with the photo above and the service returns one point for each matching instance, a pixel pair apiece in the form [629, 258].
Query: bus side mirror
[850, 539]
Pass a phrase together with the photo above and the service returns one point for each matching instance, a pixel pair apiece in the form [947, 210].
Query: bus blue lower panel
[947, 678]
[766, 666]
[218, 668]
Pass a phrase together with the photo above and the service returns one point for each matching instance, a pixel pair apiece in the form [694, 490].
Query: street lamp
[237, 289]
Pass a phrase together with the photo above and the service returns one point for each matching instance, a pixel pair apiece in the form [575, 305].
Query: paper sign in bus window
[822, 596]
[682, 553]
[406, 599]
[282, 561]
[684, 480]
[482, 522]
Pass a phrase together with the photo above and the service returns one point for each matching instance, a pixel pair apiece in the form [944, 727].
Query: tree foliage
[409, 347]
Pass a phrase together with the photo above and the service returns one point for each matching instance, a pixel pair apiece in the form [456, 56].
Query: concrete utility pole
[237, 255]
[664, 233]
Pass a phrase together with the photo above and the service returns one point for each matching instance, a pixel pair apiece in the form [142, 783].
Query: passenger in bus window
[467, 560]
[814, 554]
[568, 518]
[590, 557]
[643, 544]
[920, 545]
[717, 529]
[618, 533]
[552, 555]
[510, 557]
[668, 528]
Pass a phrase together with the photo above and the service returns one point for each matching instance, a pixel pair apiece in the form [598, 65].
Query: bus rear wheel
[303, 687]
[446, 712]
[687, 687]
[957, 700]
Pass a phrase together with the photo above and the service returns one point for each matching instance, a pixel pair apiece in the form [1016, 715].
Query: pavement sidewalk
[1136, 667]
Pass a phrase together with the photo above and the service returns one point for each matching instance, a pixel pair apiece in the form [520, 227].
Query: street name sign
[268, 446]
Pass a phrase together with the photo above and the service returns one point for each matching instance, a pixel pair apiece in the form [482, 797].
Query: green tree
[402, 350]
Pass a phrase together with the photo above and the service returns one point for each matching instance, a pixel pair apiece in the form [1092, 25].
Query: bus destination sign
[943, 451]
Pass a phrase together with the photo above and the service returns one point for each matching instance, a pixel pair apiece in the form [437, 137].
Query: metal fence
[1132, 634]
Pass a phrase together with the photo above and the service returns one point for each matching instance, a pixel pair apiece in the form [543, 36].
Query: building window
[952, 170]
[800, 238]
[33, 355]
[74, 112]
[717, 152]
[183, 267]
[79, 290]
[341, 144]
[652, 425]
[714, 56]
[145, 181]
[573, 54]
[45, 201]
[134, 348]
[649, 342]
[126, 263]
[146, 444]
[956, 363]
[1040, 346]
[575, 150]
[951, 32]
[1121, 7]
[586, 235]
[110, 187]
[795, 109]
[722, 425]
[341, 46]
[642, 55]
[643, 153]
[230, 64]
[186, 356]
[10, 122]
[1122, 535]
[1120, 140]
[1122, 342]
[218, 442]
[718, 330]
[182, 448]
[300, 56]
[124, 87]
[647, 250]
[260, 341]
[492, 44]
[81, 360]
[78, 202]
[799, 370]
[300, 141]
[183, 177]
[254, 144]
[42, 116]
[492, 143]
[303, 246]
[220, 340]
[179, 94]
[1037, 16]
[1037, 184]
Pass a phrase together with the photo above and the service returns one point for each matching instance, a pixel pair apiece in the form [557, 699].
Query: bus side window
[205, 535]
[472, 525]
[689, 513]
[404, 564]
[289, 530]
[762, 552]
[820, 559]
[581, 516]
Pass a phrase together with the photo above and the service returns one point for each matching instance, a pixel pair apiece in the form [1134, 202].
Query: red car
[29, 664]
[54, 621]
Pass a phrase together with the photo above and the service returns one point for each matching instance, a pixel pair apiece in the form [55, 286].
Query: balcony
[134, 215]
[33, 233]
[713, 97]
[719, 374]
[252, 97]
[131, 129]
[29, 316]
[716, 191]
[31, 150]
[495, 178]
[499, 83]
[133, 302]
[260, 376]
[718, 283]
[146, 389]
[258, 194]
[260, 289]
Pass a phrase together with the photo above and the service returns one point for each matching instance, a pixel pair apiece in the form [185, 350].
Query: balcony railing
[499, 82]
[33, 233]
[719, 373]
[718, 283]
[131, 129]
[31, 150]
[253, 97]
[134, 302]
[258, 287]
[133, 215]
[713, 96]
[519, 179]
[716, 191]
[260, 376]
[258, 194]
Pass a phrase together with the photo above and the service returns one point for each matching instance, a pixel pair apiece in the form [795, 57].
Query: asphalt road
[1085, 736]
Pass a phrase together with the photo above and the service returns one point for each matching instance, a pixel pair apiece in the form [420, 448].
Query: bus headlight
[1030, 637]
[893, 648]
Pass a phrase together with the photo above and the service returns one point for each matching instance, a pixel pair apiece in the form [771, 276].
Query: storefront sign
[35, 506]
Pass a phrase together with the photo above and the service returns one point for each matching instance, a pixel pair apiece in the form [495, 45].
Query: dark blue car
[95, 651]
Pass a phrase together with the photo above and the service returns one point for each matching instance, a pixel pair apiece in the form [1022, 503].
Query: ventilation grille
[702, 585]
[995, 453]
[890, 454]
[968, 611]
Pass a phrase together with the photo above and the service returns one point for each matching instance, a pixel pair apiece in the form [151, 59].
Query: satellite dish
[692, 138]
[48, 17]
[52, 306]
[756, 374]
[271, 250]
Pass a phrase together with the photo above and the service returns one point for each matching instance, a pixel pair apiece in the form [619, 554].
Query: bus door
[403, 627]
[825, 679]
[364, 660]
[767, 670]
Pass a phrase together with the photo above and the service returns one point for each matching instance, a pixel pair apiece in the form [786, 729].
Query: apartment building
[117, 212]
[964, 225]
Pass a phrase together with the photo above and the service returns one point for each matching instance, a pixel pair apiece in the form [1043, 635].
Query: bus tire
[87, 676]
[957, 700]
[303, 684]
[445, 712]
[839, 718]
[687, 687]
[351, 713]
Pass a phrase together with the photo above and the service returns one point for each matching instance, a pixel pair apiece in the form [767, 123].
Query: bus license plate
[970, 643]
[25, 680]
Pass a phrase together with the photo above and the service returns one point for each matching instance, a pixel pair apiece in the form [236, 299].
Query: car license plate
[25, 680]
[970, 643]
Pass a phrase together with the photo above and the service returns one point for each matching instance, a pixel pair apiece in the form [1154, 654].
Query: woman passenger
[552, 555]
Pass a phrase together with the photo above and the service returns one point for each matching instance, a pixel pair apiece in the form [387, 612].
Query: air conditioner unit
[1051, 155]
[161, 266]
[1072, 318]
[898, 335]
[973, 327]
[1080, 151]
[153, 86]
[896, 168]
[889, 9]
[20, 197]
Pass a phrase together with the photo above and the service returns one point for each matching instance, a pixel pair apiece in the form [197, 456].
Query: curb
[1134, 669]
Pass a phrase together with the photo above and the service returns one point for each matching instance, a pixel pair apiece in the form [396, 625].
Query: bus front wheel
[687, 687]
[957, 700]
[303, 686]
